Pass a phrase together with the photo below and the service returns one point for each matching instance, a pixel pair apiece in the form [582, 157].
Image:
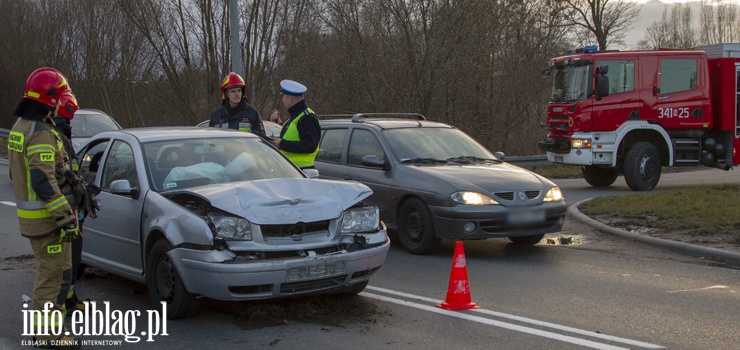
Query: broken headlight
[231, 227]
[363, 219]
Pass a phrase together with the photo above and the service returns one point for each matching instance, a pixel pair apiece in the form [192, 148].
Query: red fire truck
[631, 112]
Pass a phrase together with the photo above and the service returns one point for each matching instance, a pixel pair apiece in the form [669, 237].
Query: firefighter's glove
[69, 233]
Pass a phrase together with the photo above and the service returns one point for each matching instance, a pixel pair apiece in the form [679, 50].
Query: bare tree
[191, 72]
[607, 20]
[674, 30]
[719, 22]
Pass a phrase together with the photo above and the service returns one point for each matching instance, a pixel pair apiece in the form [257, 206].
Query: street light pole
[237, 64]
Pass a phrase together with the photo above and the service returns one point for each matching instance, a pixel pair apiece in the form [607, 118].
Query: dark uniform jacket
[225, 116]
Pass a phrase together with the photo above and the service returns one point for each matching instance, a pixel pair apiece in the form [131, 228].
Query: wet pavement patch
[329, 310]
[562, 240]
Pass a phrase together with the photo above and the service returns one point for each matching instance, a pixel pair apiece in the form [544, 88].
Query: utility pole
[237, 63]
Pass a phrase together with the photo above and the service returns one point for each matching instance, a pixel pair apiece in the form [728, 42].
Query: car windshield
[434, 145]
[179, 164]
[87, 125]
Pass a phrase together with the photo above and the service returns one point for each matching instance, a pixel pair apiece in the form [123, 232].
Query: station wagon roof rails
[333, 116]
[357, 118]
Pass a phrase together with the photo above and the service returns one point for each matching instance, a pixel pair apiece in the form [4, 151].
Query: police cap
[292, 88]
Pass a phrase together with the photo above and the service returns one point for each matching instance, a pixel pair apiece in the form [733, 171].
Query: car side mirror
[311, 173]
[373, 161]
[123, 187]
[500, 155]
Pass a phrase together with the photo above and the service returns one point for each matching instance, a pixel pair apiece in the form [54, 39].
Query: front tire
[415, 229]
[642, 167]
[356, 288]
[527, 240]
[164, 283]
[598, 176]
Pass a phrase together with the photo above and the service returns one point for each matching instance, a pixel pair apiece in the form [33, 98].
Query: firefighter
[300, 135]
[235, 109]
[65, 112]
[45, 216]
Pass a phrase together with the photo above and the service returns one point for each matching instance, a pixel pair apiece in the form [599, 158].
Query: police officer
[235, 109]
[45, 216]
[300, 135]
[65, 112]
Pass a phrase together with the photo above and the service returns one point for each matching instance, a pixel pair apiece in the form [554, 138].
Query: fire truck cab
[632, 112]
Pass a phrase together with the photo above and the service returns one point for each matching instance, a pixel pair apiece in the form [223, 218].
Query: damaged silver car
[221, 214]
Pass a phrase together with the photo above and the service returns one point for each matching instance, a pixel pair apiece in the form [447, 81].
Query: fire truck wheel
[599, 176]
[642, 167]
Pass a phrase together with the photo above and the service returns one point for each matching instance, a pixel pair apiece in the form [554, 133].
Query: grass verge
[704, 209]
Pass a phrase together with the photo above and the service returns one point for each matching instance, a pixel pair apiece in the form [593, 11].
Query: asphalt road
[605, 293]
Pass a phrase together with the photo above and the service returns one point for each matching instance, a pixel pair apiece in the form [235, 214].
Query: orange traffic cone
[458, 292]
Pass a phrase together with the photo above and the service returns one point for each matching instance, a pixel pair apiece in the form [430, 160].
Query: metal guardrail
[528, 161]
[522, 161]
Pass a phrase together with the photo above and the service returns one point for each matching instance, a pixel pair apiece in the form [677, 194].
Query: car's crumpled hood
[280, 201]
[487, 176]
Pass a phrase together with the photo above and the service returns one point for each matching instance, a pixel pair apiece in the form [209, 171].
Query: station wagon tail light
[554, 195]
[473, 198]
[364, 219]
[231, 228]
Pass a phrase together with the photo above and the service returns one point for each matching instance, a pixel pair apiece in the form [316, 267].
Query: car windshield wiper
[423, 160]
[471, 159]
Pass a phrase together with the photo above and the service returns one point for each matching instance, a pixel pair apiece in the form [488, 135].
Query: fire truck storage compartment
[723, 72]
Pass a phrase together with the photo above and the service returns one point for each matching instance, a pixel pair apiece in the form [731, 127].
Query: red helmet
[67, 105]
[233, 80]
[45, 85]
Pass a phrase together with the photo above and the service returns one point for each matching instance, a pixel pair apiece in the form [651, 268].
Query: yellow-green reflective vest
[302, 160]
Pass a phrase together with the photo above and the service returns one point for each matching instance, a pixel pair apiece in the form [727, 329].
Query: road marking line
[698, 289]
[8, 203]
[512, 317]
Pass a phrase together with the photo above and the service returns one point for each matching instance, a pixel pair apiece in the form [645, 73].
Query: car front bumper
[215, 274]
[449, 222]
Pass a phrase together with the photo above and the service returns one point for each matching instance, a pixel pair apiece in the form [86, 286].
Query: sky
[652, 11]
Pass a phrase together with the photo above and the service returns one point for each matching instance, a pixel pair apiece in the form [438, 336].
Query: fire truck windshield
[571, 83]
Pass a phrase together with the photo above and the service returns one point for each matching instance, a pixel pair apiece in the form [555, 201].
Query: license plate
[525, 217]
[558, 159]
[324, 269]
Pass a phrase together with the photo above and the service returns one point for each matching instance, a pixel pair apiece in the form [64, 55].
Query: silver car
[222, 214]
[88, 122]
[432, 181]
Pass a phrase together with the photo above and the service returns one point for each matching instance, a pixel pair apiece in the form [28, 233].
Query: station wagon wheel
[415, 228]
[164, 283]
[527, 240]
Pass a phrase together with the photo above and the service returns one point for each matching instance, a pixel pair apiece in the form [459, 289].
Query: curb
[679, 247]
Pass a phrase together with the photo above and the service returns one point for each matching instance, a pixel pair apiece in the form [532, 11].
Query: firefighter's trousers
[53, 259]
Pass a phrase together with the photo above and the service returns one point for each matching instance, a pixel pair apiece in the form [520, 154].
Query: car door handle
[347, 177]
